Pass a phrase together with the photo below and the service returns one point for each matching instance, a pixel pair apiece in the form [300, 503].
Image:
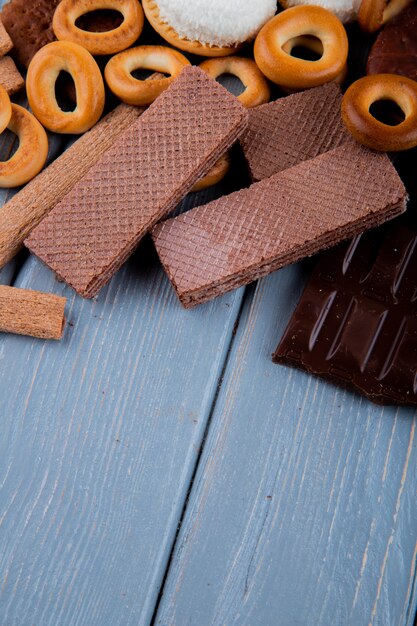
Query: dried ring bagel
[257, 90]
[375, 13]
[276, 39]
[42, 74]
[215, 175]
[5, 109]
[110, 42]
[369, 131]
[118, 73]
[30, 156]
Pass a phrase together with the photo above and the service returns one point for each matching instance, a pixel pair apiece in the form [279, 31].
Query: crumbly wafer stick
[10, 77]
[6, 43]
[28, 207]
[31, 313]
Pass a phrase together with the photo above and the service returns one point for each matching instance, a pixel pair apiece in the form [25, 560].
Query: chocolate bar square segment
[144, 175]
[286, 132]
[356, 322]
[296, 213]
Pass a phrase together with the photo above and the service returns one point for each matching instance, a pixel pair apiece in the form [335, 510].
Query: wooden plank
[99, 439]
[304, 508]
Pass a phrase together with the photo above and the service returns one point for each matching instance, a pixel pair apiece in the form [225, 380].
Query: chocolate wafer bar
[286, 132]
[253, 232]
[6, 43]
[29, 24]
[10, 77]
[356, 322]
[143, 176]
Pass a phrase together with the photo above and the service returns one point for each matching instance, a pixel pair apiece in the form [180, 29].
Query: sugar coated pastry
[40, 85]
[118, 73]
[345, 10]
[256, 87]
[309, 26]
[375, 13]
[368, 130]
[214, 28]
[110, 42]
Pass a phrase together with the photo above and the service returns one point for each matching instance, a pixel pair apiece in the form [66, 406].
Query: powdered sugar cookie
[345, 10]
[215, 28]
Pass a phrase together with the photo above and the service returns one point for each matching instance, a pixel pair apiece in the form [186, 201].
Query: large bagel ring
[215, 175]
[276, 39]
[110, 42]
[5, 109]
[367, 129]
[118, 73]
[43, 72]
[375, 13]
[257, 90]
[30, 156]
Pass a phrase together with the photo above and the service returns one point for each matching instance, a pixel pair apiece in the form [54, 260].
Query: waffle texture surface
[143, 176]
[296, 213]
[299, 127]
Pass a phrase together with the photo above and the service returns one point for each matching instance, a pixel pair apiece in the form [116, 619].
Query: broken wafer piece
[290, 130]
[6, 43]
[10, 77]
[31, 313]
[144, 175]
[356, 322]
[29, 24]
[241, 237]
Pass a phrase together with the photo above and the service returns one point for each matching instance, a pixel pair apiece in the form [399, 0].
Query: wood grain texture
[99, 439]
[304, 509]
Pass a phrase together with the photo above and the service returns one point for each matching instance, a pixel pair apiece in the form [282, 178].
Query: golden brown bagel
[5, 109]
[40, 85]
[277, 38]
[171, 36]
[30, 156]
[110, 42]
[215, 175]
[369, 131]
[256, 87]
[375, 13]
[118, 73]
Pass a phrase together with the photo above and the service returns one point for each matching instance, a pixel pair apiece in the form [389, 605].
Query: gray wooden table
[157, 468]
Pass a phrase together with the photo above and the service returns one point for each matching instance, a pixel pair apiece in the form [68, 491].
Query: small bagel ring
[42, 74]
[375, 13]
[215, 175]
[30, 157]
[257, 90]
[367, 129]
[276, 39]
[110, 42]
[118, 73]
[5, 109]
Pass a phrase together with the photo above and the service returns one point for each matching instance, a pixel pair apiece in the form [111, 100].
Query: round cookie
[214, 28]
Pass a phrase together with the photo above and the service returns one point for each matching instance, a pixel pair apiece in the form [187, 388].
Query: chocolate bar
[290, 130]
[253, 232]
[356, 322]
[144, 175]
[395, 48]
